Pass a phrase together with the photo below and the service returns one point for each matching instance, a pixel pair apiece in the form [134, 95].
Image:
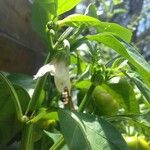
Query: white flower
[59, 70]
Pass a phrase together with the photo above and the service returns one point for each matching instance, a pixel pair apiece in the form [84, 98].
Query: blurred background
[22, 51]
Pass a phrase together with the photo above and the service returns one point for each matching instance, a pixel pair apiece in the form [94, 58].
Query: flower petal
[44, 69]
[62, 81]
[61, 76]
[59, 69]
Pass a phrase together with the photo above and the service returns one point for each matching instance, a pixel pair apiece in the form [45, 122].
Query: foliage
[58, 108]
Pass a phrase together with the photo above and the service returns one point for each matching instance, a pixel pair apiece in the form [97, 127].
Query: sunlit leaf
[83, 131]
[127, 51]
[77, 20]
[65, 5]
[141, 85]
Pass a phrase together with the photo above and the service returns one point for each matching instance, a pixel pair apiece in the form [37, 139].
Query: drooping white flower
[59, 69]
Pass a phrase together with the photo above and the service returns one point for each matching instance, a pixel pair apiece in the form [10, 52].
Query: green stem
[41, 113]
[41, 81]
[36, 95]
[65, 34]
[27, 134]
[79, 70]
[59, 144]
[86, 98]
[32, 106]
[26, 142]
[77, 32]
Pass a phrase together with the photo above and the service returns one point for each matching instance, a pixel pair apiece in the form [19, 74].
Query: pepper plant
[78, 99]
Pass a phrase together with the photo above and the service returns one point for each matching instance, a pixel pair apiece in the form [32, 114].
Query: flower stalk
[26, 142]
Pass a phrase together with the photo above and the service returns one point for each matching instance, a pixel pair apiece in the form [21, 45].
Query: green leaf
[127, 51]
[27, 83]
[23, 96]
[77, 20]
[145, 119]
[23, 80]
[58, 141]
[7, 106]
[65, 5]
[83, 84]
[9, 128]
[141, 86]
[9, 124]
[54, 136]
[84, 131]
[91, 11]
[6, 84]
[42, 12]
[141, 123]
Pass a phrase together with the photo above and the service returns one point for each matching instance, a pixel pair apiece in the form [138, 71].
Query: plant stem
[86, 98]
[58, 145]
[26, 142]
[40, 82]
[32, 106]
[40, 114]
[65, 34]
[35, 98]
[27, 134]
[37, 91]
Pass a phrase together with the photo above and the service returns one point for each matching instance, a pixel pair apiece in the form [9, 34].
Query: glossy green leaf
[77, 20]
[127, 51]
[65, 5]
[84, 131]
[42, 12]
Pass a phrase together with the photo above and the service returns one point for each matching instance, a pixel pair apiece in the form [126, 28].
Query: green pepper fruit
[105, 104]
